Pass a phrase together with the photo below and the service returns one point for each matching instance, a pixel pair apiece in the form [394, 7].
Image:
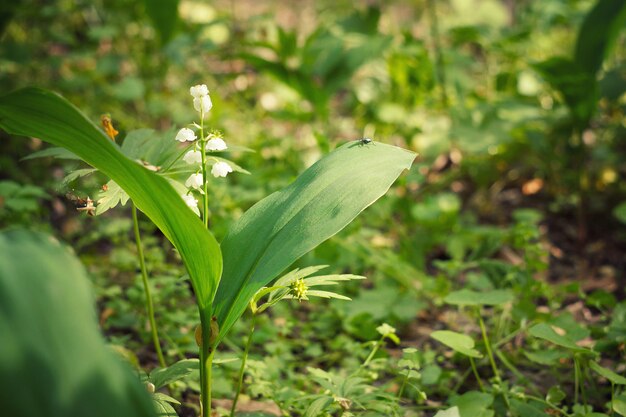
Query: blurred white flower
[199, 90]
[221, 169]
[385, 329]
[192, 203]
[202, 104]
[193, 157]
[185, 135]
[216, 144]
[194, 181]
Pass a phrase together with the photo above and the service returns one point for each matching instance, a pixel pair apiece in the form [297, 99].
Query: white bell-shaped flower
[221, 169]
[202, 104]
[193, 157]
[186, 135]
[199, 90]
[216, 144]
[191, 202]
[194, 181]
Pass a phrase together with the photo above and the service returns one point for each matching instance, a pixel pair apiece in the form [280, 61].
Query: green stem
[146, 288]
[549, 404]
[439, 65]
[205, 197]
[475, 371]
[206, 368]
[612, 398]
[373, 352]
[576, 380]
[492, 361]
[242, 368]
[404, 381]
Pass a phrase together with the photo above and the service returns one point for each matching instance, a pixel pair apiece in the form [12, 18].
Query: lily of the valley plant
[260, 245]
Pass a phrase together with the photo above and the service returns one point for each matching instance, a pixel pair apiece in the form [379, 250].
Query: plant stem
[576, 380]
[549, 404]
[439, 65]
[207, 352]
[475, 371]
[496, 373]
[401, 390]
[492, 361]
[373, 352]
[242, 369]
[612, 398]
[146, 288]
[205, 196]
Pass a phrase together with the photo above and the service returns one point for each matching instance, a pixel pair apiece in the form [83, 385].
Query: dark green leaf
[53, 360]
[598, 33]
[164, 16]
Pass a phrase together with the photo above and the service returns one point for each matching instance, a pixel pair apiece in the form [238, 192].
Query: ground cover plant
[321, 209]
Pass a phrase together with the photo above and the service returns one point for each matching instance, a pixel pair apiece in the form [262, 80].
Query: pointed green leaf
[615, 378]
[457, 341]
[546, 332]
[164, 376]
[284, 226]
[598, 33]
[164, 16]
[49, 117]
[482, 298]
[53, 360]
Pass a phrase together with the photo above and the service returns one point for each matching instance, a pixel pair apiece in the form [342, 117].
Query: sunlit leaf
[284, 226]
[457, 341]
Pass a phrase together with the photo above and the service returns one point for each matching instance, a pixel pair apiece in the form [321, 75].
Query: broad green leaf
[281, 228]
[528, 410]
[164, 16]
[457, 341]
[474, 404]
[53, 360]
[482, 298]
[164, 376]
[450, 412]
[546, 357]
[555, 395]
[598, 33]
[546, 332]
[46, 115]
[619, 405]
[608, 374]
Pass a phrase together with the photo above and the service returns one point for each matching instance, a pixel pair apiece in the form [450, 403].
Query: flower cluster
[213, 142]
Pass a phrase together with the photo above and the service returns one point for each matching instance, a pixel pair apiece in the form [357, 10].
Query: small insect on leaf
[365, 141]
[107, 124]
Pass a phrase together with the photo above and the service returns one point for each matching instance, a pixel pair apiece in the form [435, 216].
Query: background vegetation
[509, 229]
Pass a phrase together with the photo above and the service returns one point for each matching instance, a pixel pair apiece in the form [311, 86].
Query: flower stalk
[146, 288]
